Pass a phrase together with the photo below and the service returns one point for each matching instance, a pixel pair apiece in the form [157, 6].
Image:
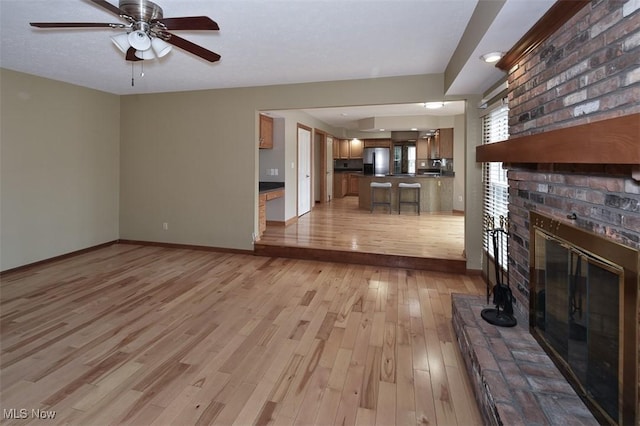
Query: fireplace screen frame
[628, 260]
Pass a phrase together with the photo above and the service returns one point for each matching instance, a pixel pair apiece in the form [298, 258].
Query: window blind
[495, 128]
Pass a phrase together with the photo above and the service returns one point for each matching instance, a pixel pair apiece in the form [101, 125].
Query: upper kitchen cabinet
[441, 145]
[266, 132]
[422, 147]
[355, 148]
[345, 149]
[446, 143]
[377, 143]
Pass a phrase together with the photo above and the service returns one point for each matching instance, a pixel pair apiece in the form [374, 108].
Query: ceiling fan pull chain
[132, 81]
[141, 69]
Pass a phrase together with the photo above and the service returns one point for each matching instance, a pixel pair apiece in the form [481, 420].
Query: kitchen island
[436, 192]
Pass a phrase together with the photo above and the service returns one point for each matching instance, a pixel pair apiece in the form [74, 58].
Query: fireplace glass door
[577, 313]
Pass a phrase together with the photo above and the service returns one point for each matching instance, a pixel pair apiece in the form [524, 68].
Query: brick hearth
[515, 382]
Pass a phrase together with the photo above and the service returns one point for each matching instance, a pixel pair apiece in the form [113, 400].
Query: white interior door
[329, 168]
[304, 171]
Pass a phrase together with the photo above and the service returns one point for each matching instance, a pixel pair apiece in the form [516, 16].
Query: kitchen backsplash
[444, 164]
[351, 164]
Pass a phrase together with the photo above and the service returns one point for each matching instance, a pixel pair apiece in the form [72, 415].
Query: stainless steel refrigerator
[378, 158]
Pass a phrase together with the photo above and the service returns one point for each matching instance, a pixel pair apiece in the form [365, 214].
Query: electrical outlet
[460, 198]
[165, 226]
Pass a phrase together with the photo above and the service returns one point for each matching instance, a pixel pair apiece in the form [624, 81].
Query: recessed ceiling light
[492, 57]
[344, 114]
[414, 129]
[433, 105]
[382, 130]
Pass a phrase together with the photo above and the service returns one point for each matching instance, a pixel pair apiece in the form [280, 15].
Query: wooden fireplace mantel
[611, 141]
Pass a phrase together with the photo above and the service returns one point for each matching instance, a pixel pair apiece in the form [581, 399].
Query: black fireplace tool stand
[502, 314]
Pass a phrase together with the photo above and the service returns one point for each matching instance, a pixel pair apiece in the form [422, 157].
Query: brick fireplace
[573, 153]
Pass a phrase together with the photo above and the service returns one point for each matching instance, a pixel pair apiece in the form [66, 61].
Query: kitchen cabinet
[262, 213]
[340, 185]
[353, 184]
[441, 145]
[377, 143]
[344, 149]
[422, 148]
[446, 143]
[434, 145]
[355, 148]
[266, 132]
[262, 207]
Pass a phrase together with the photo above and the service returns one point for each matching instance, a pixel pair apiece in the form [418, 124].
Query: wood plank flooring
[149, 335]
[340, 225]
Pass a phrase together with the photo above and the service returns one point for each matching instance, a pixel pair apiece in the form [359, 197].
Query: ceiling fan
[147, 33]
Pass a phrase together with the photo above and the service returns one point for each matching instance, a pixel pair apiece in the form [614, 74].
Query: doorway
[329, 165]
[304, 170]
[322, 166]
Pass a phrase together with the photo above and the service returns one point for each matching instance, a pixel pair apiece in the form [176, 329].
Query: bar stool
[385, 187]
[402, 187]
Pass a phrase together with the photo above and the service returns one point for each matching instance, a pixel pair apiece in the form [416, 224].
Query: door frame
[328, 166]
[320, 138]
[311, 196]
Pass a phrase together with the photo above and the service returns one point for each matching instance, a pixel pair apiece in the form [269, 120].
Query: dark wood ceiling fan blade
[131, 55]
[75, 25]
[108, 6]
[189, 23]
[190, 47]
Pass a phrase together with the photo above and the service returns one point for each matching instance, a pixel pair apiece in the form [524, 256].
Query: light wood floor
[341, 225]
[147, 335]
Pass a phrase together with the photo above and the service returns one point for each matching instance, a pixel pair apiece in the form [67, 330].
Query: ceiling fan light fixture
[160, 47]
[121, 41]
[139, 40]
[145, 54]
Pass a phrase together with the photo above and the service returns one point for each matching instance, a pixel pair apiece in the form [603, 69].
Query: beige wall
[59, 168]
[189, 159]
[196, 168]
[473, 194]
[459, 162]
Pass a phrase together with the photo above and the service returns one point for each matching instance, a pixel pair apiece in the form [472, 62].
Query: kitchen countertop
[264, 187]
[407, 175]
[412, 175]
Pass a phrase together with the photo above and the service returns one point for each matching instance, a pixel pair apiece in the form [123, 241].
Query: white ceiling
[408, 115]
[267, 42]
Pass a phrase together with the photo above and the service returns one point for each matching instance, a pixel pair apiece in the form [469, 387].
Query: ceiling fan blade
[108, 6]
[190, 47]
[189, 23]
[131, 55]
[75, 25]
